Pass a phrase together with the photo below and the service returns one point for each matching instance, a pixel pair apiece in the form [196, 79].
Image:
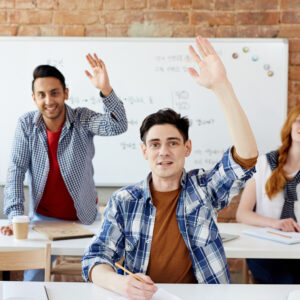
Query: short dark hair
[165, 116]
[42, 71]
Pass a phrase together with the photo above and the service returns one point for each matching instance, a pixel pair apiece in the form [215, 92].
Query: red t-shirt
[56, 201]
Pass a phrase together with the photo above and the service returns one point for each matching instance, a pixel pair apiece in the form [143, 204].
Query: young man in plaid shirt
[164, 226]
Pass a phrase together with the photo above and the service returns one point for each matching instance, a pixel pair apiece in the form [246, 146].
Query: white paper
[23, 291]
[161, 294]
[274, 235]
[294, 295]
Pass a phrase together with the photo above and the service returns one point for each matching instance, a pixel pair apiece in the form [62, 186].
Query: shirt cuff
[246, 163]
[110, 101]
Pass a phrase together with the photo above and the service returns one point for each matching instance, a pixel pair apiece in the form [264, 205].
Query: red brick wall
[160, 18]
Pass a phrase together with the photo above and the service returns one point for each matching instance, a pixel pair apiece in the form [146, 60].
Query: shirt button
[40, 193]
[107, 102]
[148, 241]
[45, 175]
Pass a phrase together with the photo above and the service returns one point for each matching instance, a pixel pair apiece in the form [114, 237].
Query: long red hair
[278, 178]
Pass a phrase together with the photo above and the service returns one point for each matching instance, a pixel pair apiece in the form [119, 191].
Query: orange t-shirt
[170, 261]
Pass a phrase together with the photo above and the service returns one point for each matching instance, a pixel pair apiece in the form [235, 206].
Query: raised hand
[211, 69]
[99, 79]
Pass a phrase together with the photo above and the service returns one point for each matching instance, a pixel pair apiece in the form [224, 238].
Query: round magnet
[254, 58]
[270, 73]
[235, 55]
[245, 49]
[267, 67]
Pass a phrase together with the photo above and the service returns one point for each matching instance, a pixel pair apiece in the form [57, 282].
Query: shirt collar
[146, 185]
[70, 117]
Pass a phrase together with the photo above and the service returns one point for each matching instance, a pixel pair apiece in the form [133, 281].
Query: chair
[247, 275]
[27, 260]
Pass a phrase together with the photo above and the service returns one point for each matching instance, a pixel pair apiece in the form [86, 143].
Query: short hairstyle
[42, 71]
[165, 116]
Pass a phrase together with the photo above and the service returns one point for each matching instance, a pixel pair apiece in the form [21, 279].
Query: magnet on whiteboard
[270, 73]
[267, 67]
[235, 55]
[254, 58]
[245, 49]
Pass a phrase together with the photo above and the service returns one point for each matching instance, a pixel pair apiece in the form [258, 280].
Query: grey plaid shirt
[74, 154]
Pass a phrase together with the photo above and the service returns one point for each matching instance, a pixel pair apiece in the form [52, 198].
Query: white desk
[251, 247]
[87, 291]
[36, 240]
[242, 247]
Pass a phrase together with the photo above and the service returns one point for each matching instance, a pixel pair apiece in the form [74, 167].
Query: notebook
[62, 230]
[21, 291]
[274, 235]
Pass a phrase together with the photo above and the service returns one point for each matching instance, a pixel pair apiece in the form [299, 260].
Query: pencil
[130, 273]
[46, 292]
[283, 235]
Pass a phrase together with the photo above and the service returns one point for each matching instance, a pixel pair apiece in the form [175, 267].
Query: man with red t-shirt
[55, 146]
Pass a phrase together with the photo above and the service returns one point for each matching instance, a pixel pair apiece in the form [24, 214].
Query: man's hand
[137, 290]
[212, 70]
[288, 225]
[99, 79]
[6, 230]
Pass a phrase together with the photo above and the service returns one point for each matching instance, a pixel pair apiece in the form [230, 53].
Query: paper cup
[20, 227]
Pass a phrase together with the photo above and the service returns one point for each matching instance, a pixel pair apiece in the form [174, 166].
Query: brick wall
[160, 18]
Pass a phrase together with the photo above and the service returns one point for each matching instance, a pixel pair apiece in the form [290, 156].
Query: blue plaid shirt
[74, 154]
[127, 227]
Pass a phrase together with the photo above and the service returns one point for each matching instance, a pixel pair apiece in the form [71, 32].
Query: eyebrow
[53, 90]
[168, 139]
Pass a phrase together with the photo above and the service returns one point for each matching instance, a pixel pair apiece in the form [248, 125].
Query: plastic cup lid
[20, 219]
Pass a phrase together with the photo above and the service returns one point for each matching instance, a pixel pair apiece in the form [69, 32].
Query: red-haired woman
[272, 199]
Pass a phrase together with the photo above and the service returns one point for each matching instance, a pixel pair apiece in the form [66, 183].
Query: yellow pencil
[283, 235]
[132, 274]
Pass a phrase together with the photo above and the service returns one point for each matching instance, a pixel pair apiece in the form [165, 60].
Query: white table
[87, 291]
[251, 247]
[36, 240]
[242, 247]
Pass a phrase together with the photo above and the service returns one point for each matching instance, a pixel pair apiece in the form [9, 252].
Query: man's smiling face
[49, 97]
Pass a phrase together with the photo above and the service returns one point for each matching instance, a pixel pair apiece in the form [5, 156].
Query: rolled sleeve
[225, 180]
[112, 122]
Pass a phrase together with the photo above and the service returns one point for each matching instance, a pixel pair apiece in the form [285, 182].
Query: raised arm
[99, 78]
[212, 75]
[114, 120]
[245, 213]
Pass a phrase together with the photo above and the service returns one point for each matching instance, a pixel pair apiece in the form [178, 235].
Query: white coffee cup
[20, 227]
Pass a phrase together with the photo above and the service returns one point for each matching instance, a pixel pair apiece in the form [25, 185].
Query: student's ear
[33, 97]
[188, 148]
[144, 151]
[66, 94]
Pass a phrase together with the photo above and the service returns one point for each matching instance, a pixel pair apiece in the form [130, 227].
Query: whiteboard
[149, 74]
